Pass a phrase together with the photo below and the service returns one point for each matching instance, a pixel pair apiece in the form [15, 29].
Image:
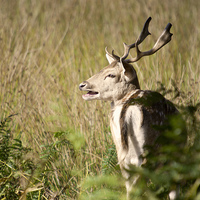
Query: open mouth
[90, 94]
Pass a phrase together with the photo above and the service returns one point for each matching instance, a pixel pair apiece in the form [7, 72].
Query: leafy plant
[25, 177]
[15, 168]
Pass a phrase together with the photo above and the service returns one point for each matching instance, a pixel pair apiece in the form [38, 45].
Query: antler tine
[143, 35]
[106, 50]
[112, 55]
[164, 38]
[115, 56]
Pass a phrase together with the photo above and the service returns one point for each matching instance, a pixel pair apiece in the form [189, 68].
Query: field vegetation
[53, 144]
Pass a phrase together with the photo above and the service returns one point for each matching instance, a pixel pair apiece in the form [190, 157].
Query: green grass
[48, 47]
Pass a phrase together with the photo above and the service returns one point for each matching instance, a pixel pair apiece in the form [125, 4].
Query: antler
[143, 35]
[127, 48]
[162, 40]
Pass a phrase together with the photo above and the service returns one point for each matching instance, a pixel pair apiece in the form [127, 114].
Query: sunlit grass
[48, 47]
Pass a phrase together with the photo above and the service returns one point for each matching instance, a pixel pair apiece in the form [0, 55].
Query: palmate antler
[164, 38]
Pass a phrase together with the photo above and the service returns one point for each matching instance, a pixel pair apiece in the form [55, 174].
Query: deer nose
[82, 85]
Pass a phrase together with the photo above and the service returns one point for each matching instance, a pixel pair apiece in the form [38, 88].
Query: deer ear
[128, 71]
[110, 58]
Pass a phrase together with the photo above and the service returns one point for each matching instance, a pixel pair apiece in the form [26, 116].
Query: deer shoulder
[134, 118]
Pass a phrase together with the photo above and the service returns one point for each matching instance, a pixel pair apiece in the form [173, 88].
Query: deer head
[114, 81]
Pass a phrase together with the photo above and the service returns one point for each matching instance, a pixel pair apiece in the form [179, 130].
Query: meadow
[53, 144]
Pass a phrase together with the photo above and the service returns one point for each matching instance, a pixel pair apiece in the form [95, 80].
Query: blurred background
[47, 48]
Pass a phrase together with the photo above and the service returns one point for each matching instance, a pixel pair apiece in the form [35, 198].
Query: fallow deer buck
[131, 119]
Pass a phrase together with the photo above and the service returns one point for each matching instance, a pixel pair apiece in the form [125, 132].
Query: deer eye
[110, 76]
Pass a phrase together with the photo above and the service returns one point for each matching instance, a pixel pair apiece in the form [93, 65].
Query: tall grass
[48, 47]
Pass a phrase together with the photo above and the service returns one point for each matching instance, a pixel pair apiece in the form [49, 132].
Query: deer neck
[123, 100]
